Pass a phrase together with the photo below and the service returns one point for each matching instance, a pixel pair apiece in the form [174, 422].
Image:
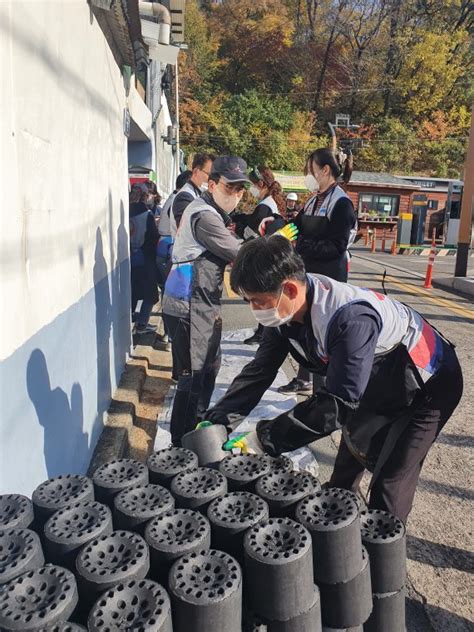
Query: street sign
[343, 120]
[290, 181]
[126, 122]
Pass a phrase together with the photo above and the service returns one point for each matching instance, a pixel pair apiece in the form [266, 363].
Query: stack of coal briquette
[198, 540]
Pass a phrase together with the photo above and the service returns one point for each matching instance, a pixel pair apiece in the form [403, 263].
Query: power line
[388, 141]
[332, 91]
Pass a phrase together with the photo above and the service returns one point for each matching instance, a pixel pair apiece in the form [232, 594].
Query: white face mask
[226, 202]
[255, 191]
[271, 317]
[311, 183]
[204, 187]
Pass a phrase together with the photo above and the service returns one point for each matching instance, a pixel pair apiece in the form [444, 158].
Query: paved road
[440, 547]
[414, 264]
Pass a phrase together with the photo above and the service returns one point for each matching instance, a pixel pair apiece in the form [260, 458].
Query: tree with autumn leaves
[263, 79]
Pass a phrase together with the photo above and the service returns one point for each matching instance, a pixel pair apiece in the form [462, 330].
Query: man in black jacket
[144, 274]
[391, 380]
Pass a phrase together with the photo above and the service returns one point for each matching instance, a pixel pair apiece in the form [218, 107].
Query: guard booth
[405, 221]
[419, 211]
[453, 213]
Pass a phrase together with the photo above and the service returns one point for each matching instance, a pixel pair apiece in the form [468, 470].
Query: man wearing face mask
[392, 380]
[191, 303]
[292, 207]
[197, 184]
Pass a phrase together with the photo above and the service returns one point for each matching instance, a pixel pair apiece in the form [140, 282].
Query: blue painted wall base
[56, 388]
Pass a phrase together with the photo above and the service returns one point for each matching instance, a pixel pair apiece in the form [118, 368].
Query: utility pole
[177, 158]
[467, 207]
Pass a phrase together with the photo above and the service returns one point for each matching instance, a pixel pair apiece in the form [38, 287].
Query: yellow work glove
[289, 231]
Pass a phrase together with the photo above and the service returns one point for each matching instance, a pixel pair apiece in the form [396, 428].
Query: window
[379, 204]
[433, 205]
[455, 211]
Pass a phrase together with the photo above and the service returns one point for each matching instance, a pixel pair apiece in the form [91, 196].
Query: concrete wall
[165, 158]
[65, 328]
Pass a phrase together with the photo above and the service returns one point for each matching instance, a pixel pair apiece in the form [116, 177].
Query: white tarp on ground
[235, 355]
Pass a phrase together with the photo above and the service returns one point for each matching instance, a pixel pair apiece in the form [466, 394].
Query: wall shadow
[120, 293]
[419, 618]
[63, 420]
[124, 284]
[435, 487]
[439, 555]
[458, 441]
[103, 326]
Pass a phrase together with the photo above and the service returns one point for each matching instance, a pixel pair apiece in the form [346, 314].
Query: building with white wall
[65, 281]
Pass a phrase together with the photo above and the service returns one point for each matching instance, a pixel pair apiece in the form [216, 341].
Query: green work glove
[203, 424]
[247, 442]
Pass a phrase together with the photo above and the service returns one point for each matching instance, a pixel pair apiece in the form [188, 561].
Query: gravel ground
[440, 545]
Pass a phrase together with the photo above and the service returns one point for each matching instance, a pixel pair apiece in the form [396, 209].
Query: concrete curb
[463, 286]
[419, 251]
[114, 439]
[123, 412]
[424, 251]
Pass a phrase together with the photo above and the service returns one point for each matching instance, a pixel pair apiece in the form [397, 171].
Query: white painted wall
[63, 156]
[63, 182]
[165, 161]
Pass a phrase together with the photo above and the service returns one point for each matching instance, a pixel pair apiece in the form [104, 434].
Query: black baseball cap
[231, 168]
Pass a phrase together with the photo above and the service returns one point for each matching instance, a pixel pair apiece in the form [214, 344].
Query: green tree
[394, 148]
[199, 64]
[263, 79]
[431, 71]
[266, 130]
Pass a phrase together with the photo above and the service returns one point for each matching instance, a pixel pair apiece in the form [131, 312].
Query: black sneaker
[296, 387]
[144, 329]
[255, 339]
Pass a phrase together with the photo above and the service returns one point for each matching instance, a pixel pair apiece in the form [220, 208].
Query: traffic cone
[429, 270]
[393, 249]
[374, 240]
[383, 240]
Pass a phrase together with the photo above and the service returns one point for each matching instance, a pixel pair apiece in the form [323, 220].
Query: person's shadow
[65, 442]
[121, 295]
[103, 323]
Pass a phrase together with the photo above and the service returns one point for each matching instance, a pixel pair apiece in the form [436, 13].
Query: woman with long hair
[328, 222]
[327, 227]
[268, 216]
[271, 203]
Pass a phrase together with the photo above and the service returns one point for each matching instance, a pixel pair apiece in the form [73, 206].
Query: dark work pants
[394, 489]
[303, 374]
[143, 316]
[194, 388]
